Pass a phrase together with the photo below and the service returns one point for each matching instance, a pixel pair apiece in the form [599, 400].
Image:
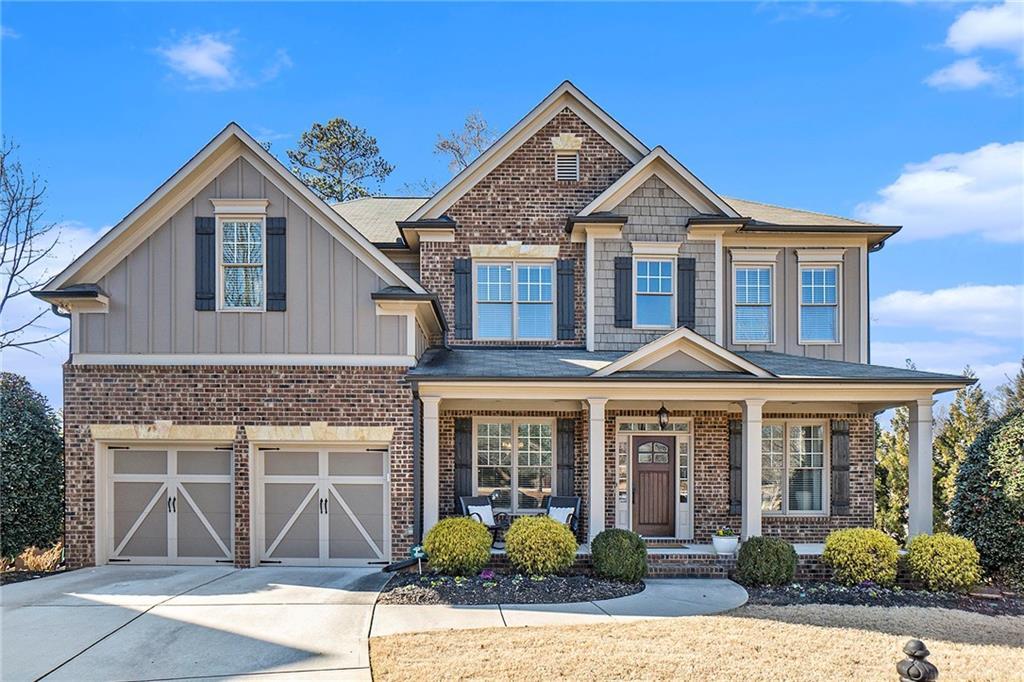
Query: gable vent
[567, 166]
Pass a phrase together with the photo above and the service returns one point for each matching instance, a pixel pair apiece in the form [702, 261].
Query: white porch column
[919, 493]
[750, 518]
[431, 463]
[596, 493]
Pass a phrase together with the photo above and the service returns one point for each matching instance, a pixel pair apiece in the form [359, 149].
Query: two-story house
[259, 377]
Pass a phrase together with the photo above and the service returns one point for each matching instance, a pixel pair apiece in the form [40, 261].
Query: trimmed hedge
[539, 545]
[32, 469]
[765, 561]
[988, 503]
[943, 562]
[858, 555]
[458, 546]
[619, 554]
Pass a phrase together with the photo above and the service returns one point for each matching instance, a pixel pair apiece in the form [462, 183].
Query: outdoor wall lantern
[663, 417]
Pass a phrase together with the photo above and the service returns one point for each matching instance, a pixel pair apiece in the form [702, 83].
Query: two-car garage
[176, 504]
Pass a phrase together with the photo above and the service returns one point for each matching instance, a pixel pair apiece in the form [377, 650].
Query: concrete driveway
[173, 623]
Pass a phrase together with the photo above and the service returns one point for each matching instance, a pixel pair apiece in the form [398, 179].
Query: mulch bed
[500, 588]
[7, 577]
[869, 594]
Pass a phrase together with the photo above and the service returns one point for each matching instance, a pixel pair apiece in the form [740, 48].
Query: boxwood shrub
[539, 545]
[458, 546]
[943, 562]
[765, 561]
[619, 554]
[859, 555]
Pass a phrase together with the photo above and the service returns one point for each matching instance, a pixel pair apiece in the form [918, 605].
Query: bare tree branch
[463, 146]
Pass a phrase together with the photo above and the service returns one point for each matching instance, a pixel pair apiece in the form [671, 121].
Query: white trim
[838, 266]
[655, 248]
[593, 233]
[740, 255]
[514, 303]
[820, 255]
[286, 359]
[772, 308]
[672, 297]
[826, 468]
[435, 235]
[564, 96]
[240, 206]
[514, 422]
[681, 339]
[864, 322]
[514, 250]
[684, 183]
[719, 298]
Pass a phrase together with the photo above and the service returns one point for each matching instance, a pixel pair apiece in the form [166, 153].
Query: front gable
[683, 351]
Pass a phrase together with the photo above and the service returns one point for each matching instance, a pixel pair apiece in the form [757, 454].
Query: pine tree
[1011, 394]
[970, 412]
[891, 475]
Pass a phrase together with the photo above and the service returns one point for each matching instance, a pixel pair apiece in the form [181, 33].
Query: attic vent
[567, 166]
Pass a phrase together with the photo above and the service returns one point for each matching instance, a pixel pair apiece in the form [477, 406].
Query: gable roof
[375, 217]
[228, 145]
[565, 95]
[687, 342]
[677, 176]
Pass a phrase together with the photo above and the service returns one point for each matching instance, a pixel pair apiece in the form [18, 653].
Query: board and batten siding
[152, 291]
[787, 307]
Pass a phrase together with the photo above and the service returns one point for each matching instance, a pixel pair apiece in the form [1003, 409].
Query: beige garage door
[170, 506]
[323, 507]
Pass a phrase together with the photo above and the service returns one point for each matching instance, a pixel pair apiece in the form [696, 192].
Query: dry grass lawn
[810, 643]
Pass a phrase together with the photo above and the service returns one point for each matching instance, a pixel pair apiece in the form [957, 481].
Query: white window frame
[838, 305]
[672, 268]
[514, 263]
[772, 307]
[221, 265]
[826, 468]
[576, 157]
[515, 422]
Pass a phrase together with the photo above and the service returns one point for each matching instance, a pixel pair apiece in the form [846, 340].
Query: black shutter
[840, 467]
[463, 459]
[566, 454]
[735, 466]
[463, 298]
[623, 291]
[276, 297]
[206, 263]
[686, 304]
[566, 299]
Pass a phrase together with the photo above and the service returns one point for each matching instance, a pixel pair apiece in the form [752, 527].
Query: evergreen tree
[337, 159]
[967, 416]
[1011, 394]
[891, 471]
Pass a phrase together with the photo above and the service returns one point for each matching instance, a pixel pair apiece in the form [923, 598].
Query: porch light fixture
[662, 417]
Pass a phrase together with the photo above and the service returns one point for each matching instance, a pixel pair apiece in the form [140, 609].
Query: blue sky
[899, 113]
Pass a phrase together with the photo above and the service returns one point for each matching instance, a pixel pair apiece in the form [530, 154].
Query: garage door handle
[174, 505]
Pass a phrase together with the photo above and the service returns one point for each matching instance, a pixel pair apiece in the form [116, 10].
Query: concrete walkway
[662, 598]
[171, 623]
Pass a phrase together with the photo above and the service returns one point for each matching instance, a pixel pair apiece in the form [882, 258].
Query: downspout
[867, 266]
[417, 467]
[64, 444]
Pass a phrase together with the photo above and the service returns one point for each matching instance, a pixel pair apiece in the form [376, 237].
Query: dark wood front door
[654, 464]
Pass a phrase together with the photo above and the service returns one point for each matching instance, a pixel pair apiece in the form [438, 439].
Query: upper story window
[793, 468]
[515, 301]
[567, 166]
[819, 304]
[752, 304]
[242, 264]
[653, 292]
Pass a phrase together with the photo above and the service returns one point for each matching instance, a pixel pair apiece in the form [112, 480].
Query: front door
[654, 485]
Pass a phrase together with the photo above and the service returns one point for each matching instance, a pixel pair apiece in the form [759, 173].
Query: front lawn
[813, 643]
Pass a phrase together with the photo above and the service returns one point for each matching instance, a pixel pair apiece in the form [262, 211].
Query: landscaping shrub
[32, 471]
[458, 546]
[539, 545]
[35, 559]
[619, 555]
[766, 561]
[988, 504]
[943, 562]
[857, 555]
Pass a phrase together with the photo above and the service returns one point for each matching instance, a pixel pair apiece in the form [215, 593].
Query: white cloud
[995, 27]
[980, 191]
[210, 61]
[950, 357]
[980, 310]
[965, 74]
[788, 11]
[8, 32]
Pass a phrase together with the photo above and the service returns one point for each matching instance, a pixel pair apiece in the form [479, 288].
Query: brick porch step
[689, 565]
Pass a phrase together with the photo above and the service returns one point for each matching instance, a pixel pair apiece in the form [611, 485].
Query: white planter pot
[725, 544]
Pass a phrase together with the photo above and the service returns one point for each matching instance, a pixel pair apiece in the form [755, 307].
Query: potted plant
[725, 541]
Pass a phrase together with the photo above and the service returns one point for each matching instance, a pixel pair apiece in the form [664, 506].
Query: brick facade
[238, 395]
[520, 200]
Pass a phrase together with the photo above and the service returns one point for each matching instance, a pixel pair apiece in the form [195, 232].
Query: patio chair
[481, 508]
[565, 509]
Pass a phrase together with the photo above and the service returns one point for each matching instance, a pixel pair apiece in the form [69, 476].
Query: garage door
[322, 507]
[170, 506]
